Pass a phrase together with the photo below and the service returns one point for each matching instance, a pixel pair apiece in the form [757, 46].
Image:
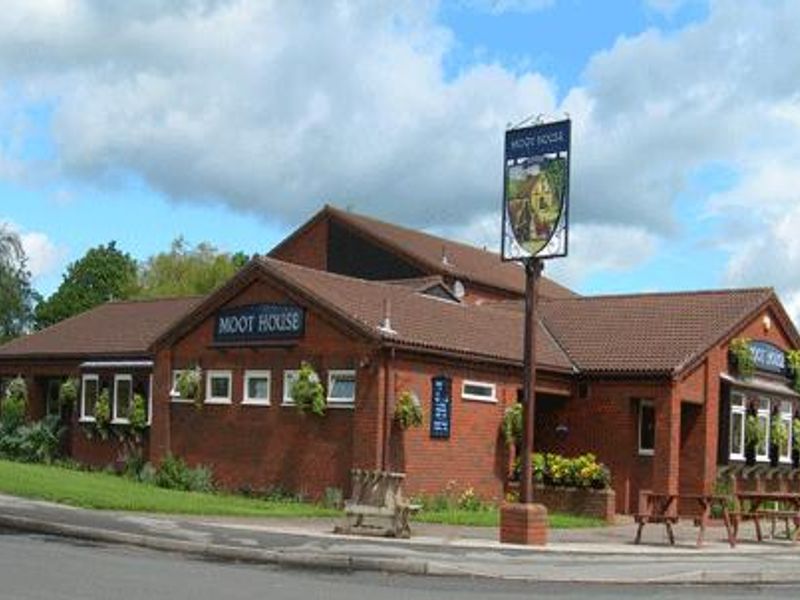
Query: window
[341, 387]
[785, 415]
[647, 428]
[256, 387]
[478, 390]
[52, 404]
[123, 398]
[762, 451]
[738, 415]
[289, 377]
[90, 388]
[218, 387]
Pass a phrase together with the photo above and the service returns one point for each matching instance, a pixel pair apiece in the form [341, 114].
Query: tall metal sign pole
[535, 227]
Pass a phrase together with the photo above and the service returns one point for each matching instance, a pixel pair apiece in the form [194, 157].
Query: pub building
[644, 381]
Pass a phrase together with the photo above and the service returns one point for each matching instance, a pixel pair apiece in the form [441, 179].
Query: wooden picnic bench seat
[773, 515]
[377, 495]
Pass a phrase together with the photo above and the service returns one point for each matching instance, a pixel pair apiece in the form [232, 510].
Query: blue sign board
[259, 322]
[441, 406]
[768, 357]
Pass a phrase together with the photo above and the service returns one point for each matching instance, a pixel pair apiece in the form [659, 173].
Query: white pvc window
[341, 387]
[289, 377]
[762, 451]
[647, 428]
[123, 398]
[257, 387]
[90, 390]
[479, 390]
[218, 387]
[785, 415]
[738, 416]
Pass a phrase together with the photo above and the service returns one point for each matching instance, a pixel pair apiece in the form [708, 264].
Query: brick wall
[309, 248]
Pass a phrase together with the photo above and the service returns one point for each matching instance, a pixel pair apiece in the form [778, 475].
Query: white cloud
[44, 257]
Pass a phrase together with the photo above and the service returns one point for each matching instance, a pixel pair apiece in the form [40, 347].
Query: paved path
[587, 555]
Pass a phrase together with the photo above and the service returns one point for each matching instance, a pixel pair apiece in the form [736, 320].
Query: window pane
[763, 425]
[219, 387]
[476, 389]
[737, 400]
[258, 388]
[90, 396]
[123, 398]
[737, 433]
[343, 387]
[647, 430]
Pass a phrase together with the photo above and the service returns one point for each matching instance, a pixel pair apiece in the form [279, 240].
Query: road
[43, 567]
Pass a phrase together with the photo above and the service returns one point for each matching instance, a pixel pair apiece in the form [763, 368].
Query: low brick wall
[599, 504]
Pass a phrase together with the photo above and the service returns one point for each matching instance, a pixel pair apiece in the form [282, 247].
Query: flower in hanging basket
[68, 392]
[307, 392]
[742, 357]
[512, 424]
[188, 384]
[407, 411]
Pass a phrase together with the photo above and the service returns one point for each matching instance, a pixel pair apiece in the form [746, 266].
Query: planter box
[583, 502]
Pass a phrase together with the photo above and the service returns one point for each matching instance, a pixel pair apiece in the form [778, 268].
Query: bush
[175, 474]
[138, 416]
[742, 357]
[407, 411]
[37, 442]
[555, 470]
[14, 403]
[307, 392]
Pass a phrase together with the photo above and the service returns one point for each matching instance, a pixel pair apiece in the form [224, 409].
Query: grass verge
[104, 491]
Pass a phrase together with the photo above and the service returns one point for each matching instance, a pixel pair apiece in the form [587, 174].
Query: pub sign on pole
[536, 191]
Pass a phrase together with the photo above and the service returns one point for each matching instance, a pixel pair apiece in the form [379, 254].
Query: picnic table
[751, 507]
[662, 508]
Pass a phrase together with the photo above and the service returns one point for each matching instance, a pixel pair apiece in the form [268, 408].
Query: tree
[188, 271]
[104, 273]
[17, 297]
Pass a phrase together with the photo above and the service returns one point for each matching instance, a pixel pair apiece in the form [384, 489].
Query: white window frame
[218, 373]
[287, 387]
[738, 410]
[84, 378]
[642, 404]
[341, 402]
[174, 394]
[786, 420]
[117, 378]
[257, 374]
[485, 384]
[766, 414]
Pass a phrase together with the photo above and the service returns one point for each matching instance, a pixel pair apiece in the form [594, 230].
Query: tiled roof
[420, 320]
[112, 329]
[463, 261]
[647, 333]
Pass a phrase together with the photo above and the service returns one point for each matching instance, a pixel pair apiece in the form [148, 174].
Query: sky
[233, 121]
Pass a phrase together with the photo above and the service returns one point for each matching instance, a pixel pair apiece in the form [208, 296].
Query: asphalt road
[43, 567]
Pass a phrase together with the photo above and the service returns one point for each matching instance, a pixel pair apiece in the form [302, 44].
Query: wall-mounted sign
[536, 191]
[441, 406]
[768, 357]
[259, 322]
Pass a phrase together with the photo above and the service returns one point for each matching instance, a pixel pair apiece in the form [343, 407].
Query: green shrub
[35, 442]
[68, 392]
[174, 474]
[796, 433]
[407, 411]
[14, 403]
[102, 409]
[188, 384]
[753, 432]
[138, 416]
[307, 392]
[793, 358]
[555, 470]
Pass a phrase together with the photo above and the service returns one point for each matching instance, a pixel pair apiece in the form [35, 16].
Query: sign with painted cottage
[259, 323]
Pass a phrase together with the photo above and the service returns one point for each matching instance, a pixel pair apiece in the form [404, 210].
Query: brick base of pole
[523, 524]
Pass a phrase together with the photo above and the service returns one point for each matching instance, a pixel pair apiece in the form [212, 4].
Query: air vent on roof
[458, 289]
[445, 260]
[386, 324]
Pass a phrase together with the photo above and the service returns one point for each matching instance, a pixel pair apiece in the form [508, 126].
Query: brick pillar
[522, 523]
[711, 412]
[160, 426]
[666, 458]
[368, 416]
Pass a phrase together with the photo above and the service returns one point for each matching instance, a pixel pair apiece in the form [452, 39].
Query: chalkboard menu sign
[441, 406]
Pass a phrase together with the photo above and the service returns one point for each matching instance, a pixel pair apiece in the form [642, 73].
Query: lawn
[104, 491]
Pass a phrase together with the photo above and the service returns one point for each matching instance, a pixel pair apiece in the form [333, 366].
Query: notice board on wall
[441, 406]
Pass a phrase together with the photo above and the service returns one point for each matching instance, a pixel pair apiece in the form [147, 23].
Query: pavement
[598, 555]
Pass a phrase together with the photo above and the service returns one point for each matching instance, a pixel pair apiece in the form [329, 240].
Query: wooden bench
[773, 516]
[642, 519]
[377, 495]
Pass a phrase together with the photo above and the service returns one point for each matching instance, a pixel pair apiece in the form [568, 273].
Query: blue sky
[231, 122]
